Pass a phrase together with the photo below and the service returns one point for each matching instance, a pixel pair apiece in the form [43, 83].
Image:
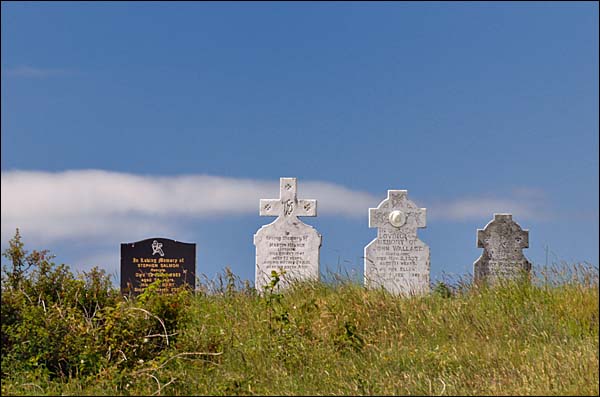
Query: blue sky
[124, 121]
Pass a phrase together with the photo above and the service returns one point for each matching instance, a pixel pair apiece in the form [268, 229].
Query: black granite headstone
[143, 262]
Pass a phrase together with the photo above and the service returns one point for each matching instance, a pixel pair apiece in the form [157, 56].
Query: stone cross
[502, 241]
[288, 204]
[287, 244]
[397, 260]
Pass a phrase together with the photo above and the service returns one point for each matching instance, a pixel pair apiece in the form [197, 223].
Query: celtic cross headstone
[397, 260]
[502, 241]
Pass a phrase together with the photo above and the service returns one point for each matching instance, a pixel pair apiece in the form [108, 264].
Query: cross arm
[270, 207]
[306, 208]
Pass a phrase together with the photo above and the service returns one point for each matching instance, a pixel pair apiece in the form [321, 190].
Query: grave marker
[287, 243]
[142, 262]
[396, 259]
[502, 241]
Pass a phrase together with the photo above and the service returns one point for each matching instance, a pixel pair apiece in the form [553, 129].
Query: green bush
[63, 326]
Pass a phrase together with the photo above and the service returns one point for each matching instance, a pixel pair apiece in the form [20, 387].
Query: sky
[125, 121]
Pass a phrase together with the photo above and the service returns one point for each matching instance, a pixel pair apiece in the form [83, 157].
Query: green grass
[538, 338]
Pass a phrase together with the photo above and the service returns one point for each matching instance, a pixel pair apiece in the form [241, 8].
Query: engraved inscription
[169, 270]
[286, 252]
[146, 261]
[397, 260]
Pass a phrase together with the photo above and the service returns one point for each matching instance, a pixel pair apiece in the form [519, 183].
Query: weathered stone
[502, 241]
[397, 260]
[287, 244]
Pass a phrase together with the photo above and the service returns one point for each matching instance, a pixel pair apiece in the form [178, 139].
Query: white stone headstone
[397, 260]
[502, 241]
[287, 243]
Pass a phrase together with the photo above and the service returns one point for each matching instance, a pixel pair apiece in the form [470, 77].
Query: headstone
[287, 243]
[397, 260]
[502, 241]
[143, 262]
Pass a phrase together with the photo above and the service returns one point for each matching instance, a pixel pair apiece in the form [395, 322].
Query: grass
[316, 338]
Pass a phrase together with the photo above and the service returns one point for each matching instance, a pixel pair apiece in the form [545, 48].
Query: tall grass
[517, 338]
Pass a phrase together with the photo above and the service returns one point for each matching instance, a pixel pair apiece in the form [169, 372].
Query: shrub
[62, 325]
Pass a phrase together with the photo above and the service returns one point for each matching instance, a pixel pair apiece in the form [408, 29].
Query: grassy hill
[66, 334]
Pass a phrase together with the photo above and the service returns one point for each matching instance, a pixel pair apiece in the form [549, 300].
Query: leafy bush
[62, 326]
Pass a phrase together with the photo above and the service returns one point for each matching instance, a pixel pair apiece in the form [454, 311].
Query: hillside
[66, 334]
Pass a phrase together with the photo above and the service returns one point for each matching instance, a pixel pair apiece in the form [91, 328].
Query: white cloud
[89, 203]
[84, 204]
[527, 204]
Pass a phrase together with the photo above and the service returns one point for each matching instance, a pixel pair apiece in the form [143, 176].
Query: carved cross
[288, 204]
[397, 211]
[503, 233]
